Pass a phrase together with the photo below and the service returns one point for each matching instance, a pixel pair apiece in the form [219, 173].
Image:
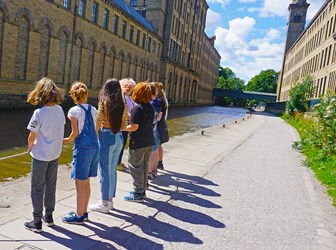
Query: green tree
[265, 81]
[228, 80]
[299, 95]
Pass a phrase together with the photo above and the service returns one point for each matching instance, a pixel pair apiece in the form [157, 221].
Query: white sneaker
[110, 205]
[100, 207]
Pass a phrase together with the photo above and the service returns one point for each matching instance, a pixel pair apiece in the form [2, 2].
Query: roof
[130, 11]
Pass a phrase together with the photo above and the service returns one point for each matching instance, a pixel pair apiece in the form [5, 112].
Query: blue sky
[250, 34]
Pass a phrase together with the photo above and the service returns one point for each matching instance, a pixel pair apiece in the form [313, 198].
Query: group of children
[99, 138]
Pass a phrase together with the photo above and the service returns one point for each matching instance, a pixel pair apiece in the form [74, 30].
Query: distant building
[92, 40]
[310, 51]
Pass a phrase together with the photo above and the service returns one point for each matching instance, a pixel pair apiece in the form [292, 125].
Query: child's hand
[66, 140]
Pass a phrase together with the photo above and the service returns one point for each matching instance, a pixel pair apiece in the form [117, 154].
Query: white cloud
[221, 2]
[213, 19]
[244, 56]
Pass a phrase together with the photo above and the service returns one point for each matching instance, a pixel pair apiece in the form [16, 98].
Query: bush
[299, 95]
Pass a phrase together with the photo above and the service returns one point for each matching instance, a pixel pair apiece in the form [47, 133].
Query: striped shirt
[102, 120]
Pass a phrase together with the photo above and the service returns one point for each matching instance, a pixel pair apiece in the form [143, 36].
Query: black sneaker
[160, 165]
[34, 227]
[48, 221]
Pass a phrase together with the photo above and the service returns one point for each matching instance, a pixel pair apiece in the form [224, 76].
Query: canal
[13, 132]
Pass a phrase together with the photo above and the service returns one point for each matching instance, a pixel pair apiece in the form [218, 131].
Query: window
[137, 38]
[81, 8]
[143, 41]
[149, 44]
[134, 2]
[123, 32]
[145, 2]
[66, 4]
[131, 33]
[106, 19]
[115, 24]
[95, 7]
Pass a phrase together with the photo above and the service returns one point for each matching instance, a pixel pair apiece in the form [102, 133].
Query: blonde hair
[44, 92]
[127, 82]
[161, 94]
[78, 92]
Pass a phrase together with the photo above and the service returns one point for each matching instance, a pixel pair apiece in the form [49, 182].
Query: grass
[324, 165]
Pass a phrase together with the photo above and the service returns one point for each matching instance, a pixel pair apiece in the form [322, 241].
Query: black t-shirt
[142, 114]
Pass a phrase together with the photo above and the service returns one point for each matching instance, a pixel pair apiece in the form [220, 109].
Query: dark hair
[110, 98]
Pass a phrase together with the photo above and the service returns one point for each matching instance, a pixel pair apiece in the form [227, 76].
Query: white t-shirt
[78, 113]
[48, 124]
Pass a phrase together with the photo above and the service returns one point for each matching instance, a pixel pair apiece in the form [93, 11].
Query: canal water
[181, 120]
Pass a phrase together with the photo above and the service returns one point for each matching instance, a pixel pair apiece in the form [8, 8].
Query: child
[127, 86]
[141, 140]
[86, 152]
[112, 119]
[45, 145]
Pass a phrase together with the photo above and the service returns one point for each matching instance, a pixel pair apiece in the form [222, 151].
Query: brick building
[311, 50]
[90, 41]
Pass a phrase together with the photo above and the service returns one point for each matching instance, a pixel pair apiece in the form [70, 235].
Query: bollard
[223, 125]
[235, 121]
[243, 119]
[202, 132]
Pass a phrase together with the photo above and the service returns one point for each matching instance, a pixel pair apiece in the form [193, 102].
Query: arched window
[297, 17]
[22, 48]
[102, 50]
[77, 58]
[92, 50]
[63, 37]
[44, 50]
[112, 52]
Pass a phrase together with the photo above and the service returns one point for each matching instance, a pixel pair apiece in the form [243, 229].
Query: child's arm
[132, 127]
[31, 139]
[74, 131]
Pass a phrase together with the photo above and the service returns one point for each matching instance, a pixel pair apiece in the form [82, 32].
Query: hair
[78, 92]
[127, 82]
[161, 94]
[110, 98]
[44, 92]
[142, 93]
[153, 88]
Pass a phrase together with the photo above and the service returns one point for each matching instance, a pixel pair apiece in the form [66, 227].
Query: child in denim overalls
[85, 153]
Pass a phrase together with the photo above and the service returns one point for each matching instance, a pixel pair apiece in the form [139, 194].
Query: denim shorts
[156, 140]
[85, 161]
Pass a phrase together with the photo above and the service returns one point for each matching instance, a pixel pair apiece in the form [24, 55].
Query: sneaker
[143, 194]
[160, 165]
[134, 197]
[110, 205]
[86, 215]
[100, 207]
[150, 176]
[34, 227]
[73, 219]
[48, 220]
[155, 173]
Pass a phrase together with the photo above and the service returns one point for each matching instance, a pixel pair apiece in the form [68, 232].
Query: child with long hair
[85, 153]
[112, 119]
[141, 140]
[45, 146]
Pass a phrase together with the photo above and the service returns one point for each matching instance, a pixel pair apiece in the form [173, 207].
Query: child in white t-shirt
[45, 146]
[86, 151]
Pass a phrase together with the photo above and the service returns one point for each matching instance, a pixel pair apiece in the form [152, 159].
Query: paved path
[238, 187]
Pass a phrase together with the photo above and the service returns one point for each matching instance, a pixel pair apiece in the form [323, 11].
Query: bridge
[247, 95]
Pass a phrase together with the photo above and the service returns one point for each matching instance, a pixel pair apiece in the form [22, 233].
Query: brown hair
[142, 93]
[78, 92]
[161, 94]
[110, 98]
[44, 92]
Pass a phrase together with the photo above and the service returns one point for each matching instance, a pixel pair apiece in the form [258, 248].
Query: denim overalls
[86, 151]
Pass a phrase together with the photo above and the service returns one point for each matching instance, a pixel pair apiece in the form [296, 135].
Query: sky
[250, 34]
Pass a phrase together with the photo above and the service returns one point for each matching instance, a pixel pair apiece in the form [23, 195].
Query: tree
[265, 81]
[228, 80]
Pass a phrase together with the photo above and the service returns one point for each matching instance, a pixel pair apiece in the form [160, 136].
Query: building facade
[312, 53]
[92, 40]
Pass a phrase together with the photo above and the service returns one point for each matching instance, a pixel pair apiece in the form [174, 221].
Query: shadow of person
[158, 229]
[73, 240]
[184, 214]
[194, 179]
[120, 236]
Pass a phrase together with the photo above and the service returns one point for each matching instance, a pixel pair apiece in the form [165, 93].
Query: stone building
[310, 51]
[91, 40]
